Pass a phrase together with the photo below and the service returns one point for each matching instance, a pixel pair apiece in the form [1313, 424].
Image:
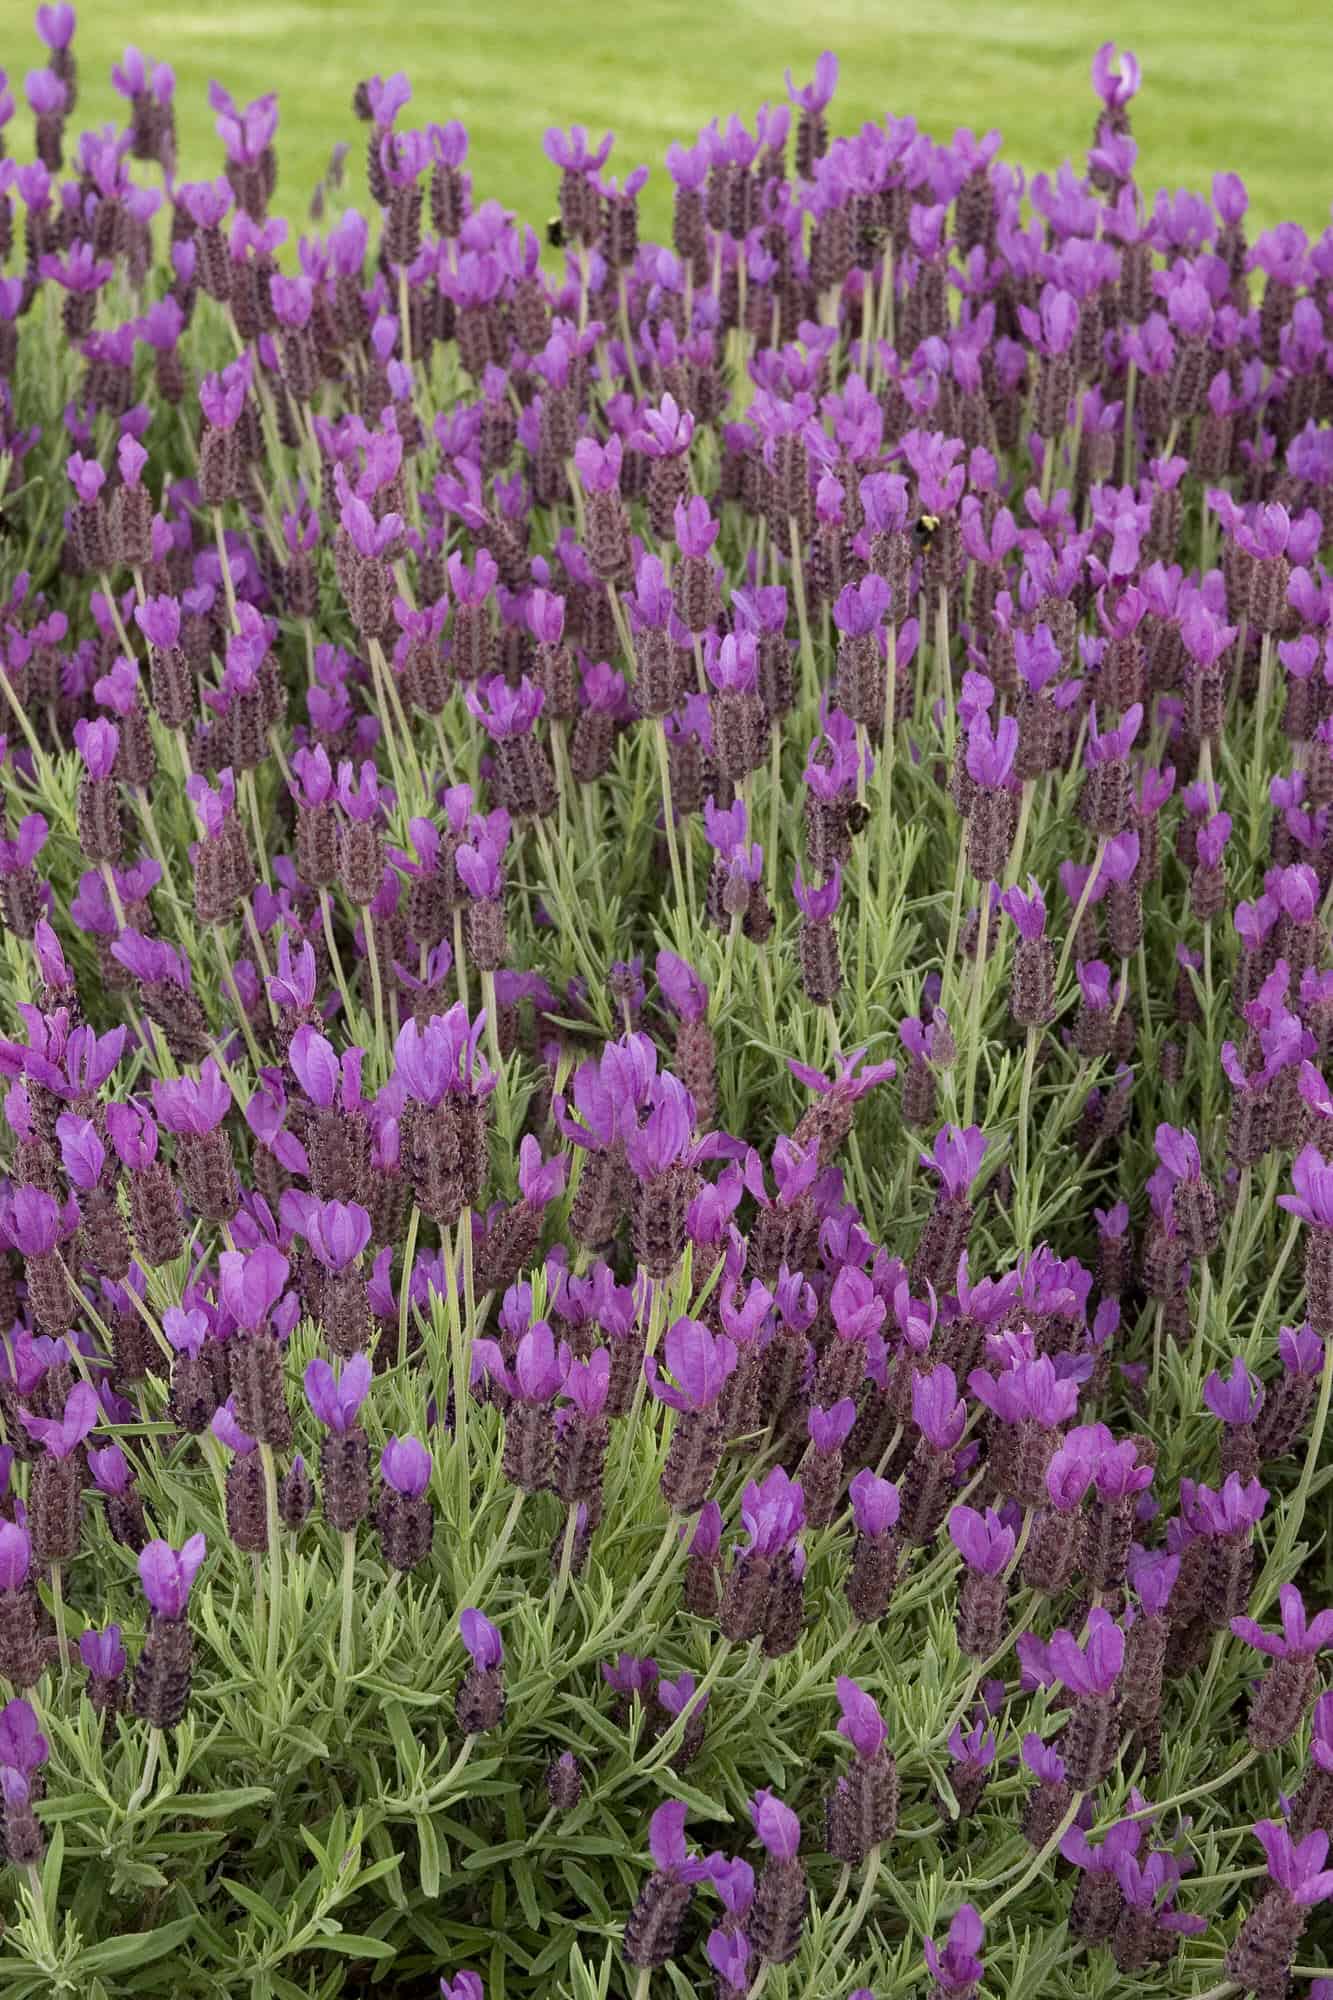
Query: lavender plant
[666, 1235]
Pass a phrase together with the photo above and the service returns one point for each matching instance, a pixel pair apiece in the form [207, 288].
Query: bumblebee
[555, 233]
[858, 817]
[924, 530]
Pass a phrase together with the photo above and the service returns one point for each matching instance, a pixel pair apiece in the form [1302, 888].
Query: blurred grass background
[1226, 86]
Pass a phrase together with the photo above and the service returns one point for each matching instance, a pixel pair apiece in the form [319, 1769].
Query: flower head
[1235, 1399]
[405, 1465]
[102, 1653]
[776, 1826]
[1297, 1866]
[336, 1400]
[1026, 912]
[481, 1639]
[773, 1511]
[1298, 1639]
[1093, 1668]
[699, 1362]
[1312, 1179]
[982, 1540]
[666, 1844]
[15, 1555]
[167, 1574]
[874, 1503]
[958, 1967]
[22, 1745]
[860, 1722]
[938, 1411]
[63, 1435]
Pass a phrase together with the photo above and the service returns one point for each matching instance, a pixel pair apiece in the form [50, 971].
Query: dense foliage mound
[666, 1252]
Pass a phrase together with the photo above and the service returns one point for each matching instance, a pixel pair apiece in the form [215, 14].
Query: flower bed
[668, 1230]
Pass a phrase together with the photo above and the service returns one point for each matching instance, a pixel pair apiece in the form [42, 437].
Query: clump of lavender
[957, 1970]
[480, 1702]
[653, 1928]
[862, 1809]
[163, 1670]
[1260, 1960]
[496, 745]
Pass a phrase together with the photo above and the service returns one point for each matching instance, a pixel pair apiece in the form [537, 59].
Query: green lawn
[1225, 87]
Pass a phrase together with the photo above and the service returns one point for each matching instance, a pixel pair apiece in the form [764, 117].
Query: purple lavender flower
[938, 1411]
[729, 1955]
[481, 1639]
[860, 1720]
[681, 987]
[956, 1157]
[1298, 1638]
[1026, 912]
[1235, 1399]
[15, 1556]
[874, 1503]
[1093, 1668]
[773, 1511]
[251, 1283]
[405, 1465]
[463, 1986]
[61, 1436]
[699, 1362]
[654, 1923]
[983, 1541]
[336, 1400]
[1312, 1180]
[167, 1575]
[957, 1970]
[102, 1653]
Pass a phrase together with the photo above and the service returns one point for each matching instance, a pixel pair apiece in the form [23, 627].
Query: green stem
[857, 1914]
[809, 677]
[1080, 910]
[670, 1542]
[1024, 1102]
[229, 588]
[493, 1034]
[978, 987]
[668, 811]
[1258, 790]
[888, 748]
[58, 1614]
[1038, 1862]
[460, 960]
[774, 808]
[269, 1465]
[1128, 458]
[496, 1553]
[1228, 1777]
[944, 670]
[405, 1283]
[229, 978]
[1020, 833]
[955, 913]
[335, 960]
[1295, 1512]
[442, 1787]
[145, 1784]
[376, 987]
[345, 1626]
[459, 1367]
[566, 1556]
[251, 796]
